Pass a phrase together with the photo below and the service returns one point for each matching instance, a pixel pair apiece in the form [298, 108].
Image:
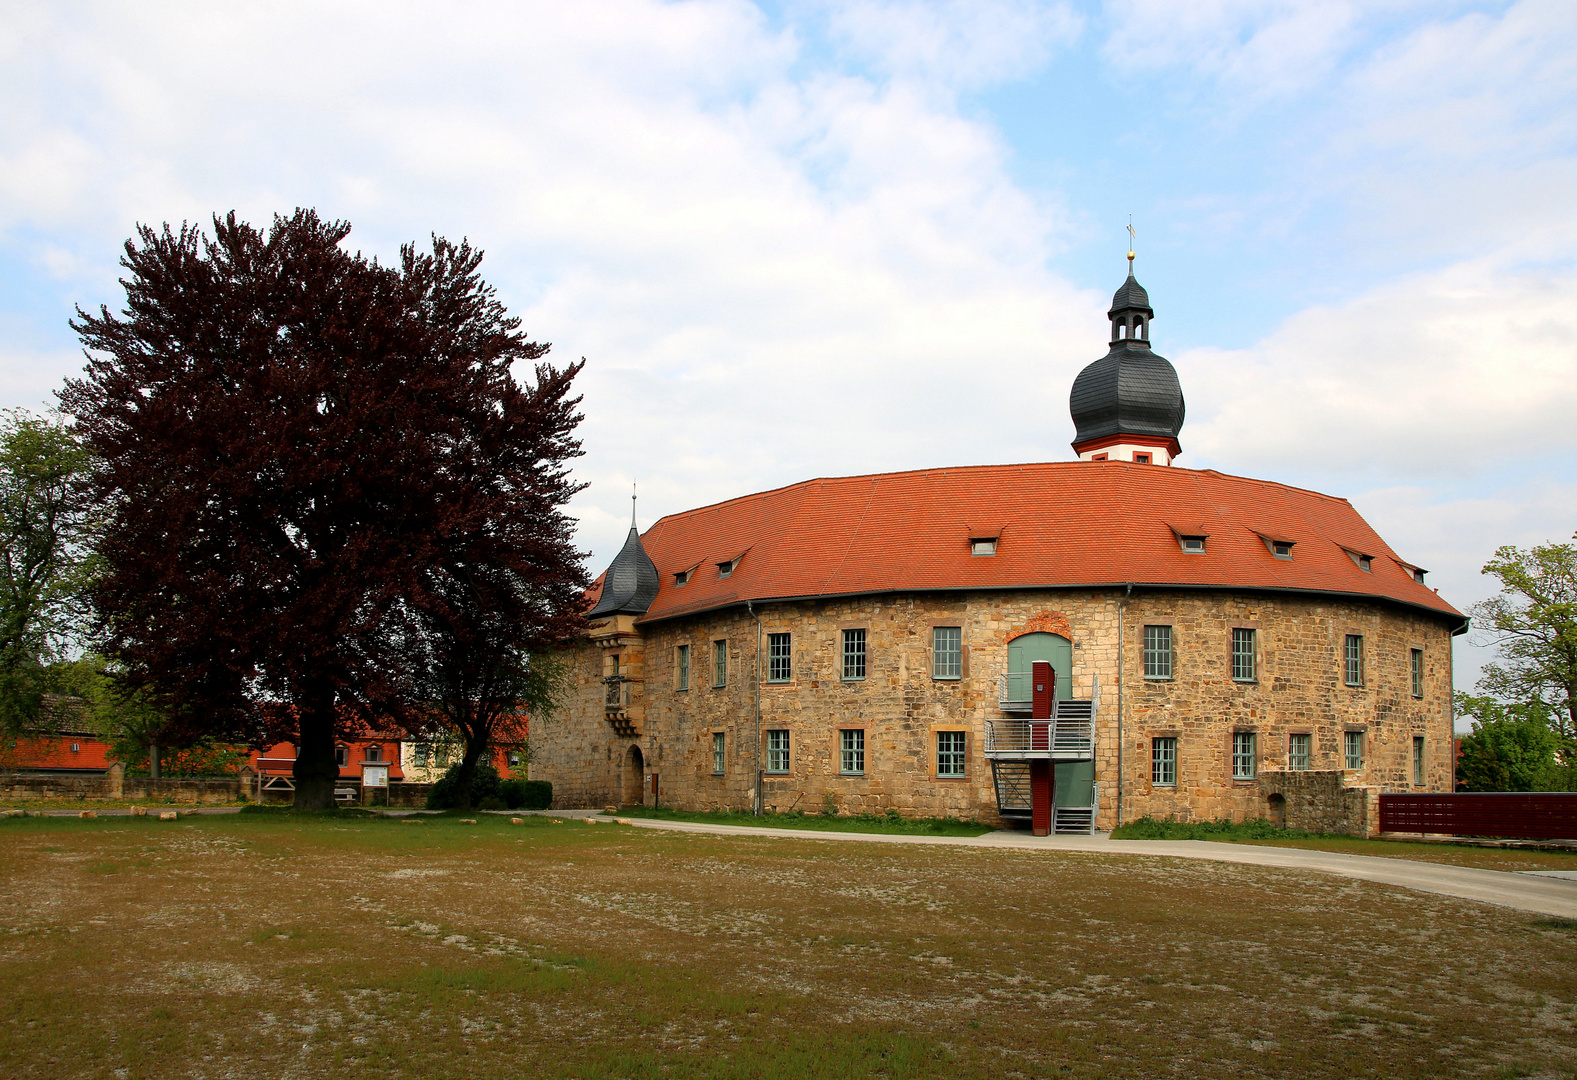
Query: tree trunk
[153, 761]
[317, 771]
[467, 773]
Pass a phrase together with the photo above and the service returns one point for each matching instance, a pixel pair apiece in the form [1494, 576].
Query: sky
[808, 239]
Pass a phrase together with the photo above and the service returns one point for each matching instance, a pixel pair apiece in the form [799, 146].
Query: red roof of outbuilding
[1062, 525]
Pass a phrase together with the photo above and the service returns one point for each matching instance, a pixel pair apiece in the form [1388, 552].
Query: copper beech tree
[301, 452]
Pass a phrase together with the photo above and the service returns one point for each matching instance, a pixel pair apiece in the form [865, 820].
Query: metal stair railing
[1012, 783]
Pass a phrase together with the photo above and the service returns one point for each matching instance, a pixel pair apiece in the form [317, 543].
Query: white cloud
[954, 42]
[1435, 375]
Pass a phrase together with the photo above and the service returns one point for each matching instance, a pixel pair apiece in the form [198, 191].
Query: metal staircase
[1012, 781]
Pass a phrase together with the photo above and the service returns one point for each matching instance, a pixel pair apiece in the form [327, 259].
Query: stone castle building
[1075, 644]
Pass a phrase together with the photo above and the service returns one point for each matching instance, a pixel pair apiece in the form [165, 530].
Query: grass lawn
[863, 823]
[1262, 833]
[261, 945]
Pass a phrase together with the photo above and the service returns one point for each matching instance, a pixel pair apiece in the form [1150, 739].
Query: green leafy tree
[1533, 625]
[1511, 748]
[46, 564]
[130, 720]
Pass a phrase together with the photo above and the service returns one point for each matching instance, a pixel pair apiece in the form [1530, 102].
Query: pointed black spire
[630, 584]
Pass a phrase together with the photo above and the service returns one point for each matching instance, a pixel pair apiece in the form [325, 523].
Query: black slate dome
[630, 585]
[1131, 390]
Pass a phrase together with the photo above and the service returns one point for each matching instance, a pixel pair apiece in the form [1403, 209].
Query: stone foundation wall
[208, 792]
[1321, 802]
[1298, 687]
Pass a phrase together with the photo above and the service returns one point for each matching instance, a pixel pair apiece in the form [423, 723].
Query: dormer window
[1194, 544]
[724, 569]
[683, 577]
[1363, 562]
[1191, 536]
[1141, 459]
[1418, 575]
[1278, 546]
[983, 545]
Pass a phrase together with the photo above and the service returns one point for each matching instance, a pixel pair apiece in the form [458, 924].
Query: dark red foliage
[295, 441]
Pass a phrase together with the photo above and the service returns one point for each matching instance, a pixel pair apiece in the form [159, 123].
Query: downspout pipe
[756, 800]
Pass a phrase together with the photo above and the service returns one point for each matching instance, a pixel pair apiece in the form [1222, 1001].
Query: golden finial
[1133, 238]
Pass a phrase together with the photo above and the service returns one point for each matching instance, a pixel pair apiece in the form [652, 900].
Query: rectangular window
[950, 753]
[854, 654]
[719, 754]
[777, 750]
[1298, 752]
[513, 759]
[683, 666]
[1158, 652]
[719, 663]
[851, 742]
[1354, 656]
[421, 754]
[1244, 763]
[373, 752]
[341, 756]
[1163, 761]
[779, 650]
[947, 652]
[1418, 760]
[1243, 654]
[1352, 749]
[1418, 672]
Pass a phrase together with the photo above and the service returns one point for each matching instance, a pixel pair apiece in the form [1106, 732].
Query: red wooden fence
[1523, 815]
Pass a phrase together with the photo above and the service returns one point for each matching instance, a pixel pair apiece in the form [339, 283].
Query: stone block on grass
[168, 815]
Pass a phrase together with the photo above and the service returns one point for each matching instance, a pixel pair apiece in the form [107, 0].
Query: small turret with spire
[1128, 405]
[630, 584]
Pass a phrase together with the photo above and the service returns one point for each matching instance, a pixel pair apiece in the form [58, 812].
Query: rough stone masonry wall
[900, 706]
[1322, 802]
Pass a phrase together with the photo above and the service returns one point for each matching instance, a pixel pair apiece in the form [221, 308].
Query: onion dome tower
[630, 584]
[1128, 405]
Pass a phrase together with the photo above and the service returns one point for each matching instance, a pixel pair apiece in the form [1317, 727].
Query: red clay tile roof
[54, 752]
[1064, 524]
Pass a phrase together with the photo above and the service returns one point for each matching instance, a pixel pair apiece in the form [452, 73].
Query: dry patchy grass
[258, 946]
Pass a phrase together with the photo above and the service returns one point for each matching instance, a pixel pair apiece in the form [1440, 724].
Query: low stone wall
[399, 794]
[21, 787]
[1320, 801]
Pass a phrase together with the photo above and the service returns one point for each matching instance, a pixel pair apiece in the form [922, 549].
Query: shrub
[484, 785]
[526, 794]
[492, 802]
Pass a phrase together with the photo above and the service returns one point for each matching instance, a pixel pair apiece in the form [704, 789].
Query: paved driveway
[1537, 892]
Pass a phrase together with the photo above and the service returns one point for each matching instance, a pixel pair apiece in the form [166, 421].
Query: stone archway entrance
[634, 793]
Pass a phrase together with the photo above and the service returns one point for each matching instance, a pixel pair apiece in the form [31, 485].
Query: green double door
[1075, 780]
[1024, 651]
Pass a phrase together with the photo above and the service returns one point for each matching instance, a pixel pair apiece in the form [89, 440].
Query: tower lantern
[1128, 405]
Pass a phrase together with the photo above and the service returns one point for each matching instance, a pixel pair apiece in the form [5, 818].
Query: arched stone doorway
[634, 778]
[1278, 811]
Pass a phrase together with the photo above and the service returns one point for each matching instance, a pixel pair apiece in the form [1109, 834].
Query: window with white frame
[1353, 657]
[1418, 760]
[372, 752]
[1245, 763]
[719, 752]
[1417, 661]
[779, 654]
[1163, 761]
[1158, 652]
[341, 755]
[682, 667]
[854, 653]
[950, 753]
[947, 652]
[1352, 749]
[1243, 654]
[421, 754]
[719, 663]
[513, 759]
[777, 750]
[851, 751]
[1298, 746]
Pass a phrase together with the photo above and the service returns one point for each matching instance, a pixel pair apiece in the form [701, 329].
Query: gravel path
[1537, 892]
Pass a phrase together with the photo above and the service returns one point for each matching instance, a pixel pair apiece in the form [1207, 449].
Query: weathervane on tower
[1133, 238]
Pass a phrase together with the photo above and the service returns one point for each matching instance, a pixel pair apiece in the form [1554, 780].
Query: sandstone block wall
[900, 707]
